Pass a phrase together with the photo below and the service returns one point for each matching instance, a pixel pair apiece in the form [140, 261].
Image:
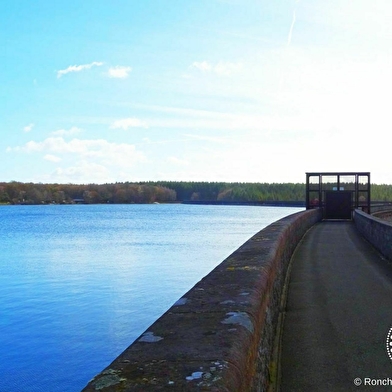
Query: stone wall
[377, 231]
[219, 335]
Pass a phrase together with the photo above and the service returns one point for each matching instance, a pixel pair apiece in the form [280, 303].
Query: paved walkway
[338, 313]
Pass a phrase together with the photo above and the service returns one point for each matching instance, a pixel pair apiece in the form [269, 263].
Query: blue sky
[194, 90]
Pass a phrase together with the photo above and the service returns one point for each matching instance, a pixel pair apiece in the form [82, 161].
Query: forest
[162, 192]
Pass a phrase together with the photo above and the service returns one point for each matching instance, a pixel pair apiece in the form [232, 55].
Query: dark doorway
[334, 191]
[338, 204]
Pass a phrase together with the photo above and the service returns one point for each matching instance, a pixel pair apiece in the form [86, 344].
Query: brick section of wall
[377, 231]
[219, 335]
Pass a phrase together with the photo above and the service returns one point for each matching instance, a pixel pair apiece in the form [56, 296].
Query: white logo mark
[389, 344]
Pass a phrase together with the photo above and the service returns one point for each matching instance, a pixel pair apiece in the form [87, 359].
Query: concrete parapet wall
[377, 231]
[219, 335]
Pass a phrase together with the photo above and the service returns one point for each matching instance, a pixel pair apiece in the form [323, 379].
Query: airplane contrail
[291, 29]
[292, 24]
[281, 79]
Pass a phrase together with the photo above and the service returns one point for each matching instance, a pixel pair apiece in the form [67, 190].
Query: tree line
[118, 193]
[162, 192]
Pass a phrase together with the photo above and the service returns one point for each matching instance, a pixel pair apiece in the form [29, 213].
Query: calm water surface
[78, 284]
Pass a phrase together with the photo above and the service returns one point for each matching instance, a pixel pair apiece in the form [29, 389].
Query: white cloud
[57, 145]
[227, 68]
[188, 112]
[28, 128]
[202, 66]
[120, 72]
[64, 132]
[114, 153]
[78, 68]
[221, 68]
[126, 123]
[83, 172]
[212, 139]
[178, 161]
[85, 160]
[52, 158]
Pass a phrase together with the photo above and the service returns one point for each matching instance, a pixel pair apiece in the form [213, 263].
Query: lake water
[79, 283]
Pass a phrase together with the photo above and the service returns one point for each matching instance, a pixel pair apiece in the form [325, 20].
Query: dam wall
[376, 230]
[220, 335]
